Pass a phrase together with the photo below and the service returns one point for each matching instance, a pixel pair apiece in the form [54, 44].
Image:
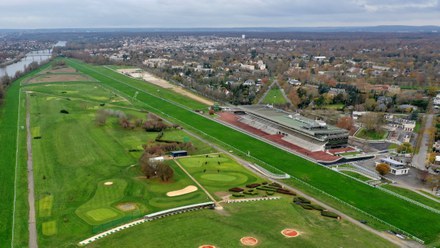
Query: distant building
[401, 123]
[319, 58]
[249, 82]
[294, 82]
[181, 153]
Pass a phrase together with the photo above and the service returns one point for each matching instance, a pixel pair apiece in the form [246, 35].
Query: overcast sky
[216, 13]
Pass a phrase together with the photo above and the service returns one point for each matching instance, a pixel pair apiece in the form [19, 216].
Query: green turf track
[408, 217]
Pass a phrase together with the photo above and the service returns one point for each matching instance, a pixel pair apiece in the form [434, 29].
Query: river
[34, 56]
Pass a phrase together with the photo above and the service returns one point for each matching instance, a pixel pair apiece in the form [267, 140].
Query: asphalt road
[419, 159]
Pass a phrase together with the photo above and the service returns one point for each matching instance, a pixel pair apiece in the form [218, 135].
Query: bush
[270, 192]
[236, 189]
[330, 214]
[63, 111]
[264, 183]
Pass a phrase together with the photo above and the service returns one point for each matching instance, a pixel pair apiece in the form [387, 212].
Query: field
[218, 173]
[274, 96]
[57, 73]
[74, 158]
[245, 219]
[345, 189]
[371, 135]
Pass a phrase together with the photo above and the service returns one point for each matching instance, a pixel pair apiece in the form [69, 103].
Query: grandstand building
[313, 135]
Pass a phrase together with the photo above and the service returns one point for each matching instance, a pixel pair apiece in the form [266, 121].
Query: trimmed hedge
[307, 206]
[301, 200]
[253, 185]
[317, 207]
[236, 189]
[237, 195]
[330, 214]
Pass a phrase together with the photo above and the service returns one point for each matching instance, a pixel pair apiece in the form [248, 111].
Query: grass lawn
[356, 175]
[390, 209]
[413, 195]
[218, 173]
[245, 219]
[75, 157]
[371, 135]
[274, 96]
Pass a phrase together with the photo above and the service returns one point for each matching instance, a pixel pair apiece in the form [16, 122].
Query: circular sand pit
[290, 233]
[249, 241]
[206, 246]
[127, 206]
[108, 183]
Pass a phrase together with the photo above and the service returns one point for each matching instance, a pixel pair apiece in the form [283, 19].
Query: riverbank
[15, 60]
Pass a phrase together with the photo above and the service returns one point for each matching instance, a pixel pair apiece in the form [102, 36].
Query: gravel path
[31, 196]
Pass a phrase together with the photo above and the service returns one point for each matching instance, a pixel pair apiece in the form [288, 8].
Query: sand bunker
[186, 190]
[108, 183]
[127, 206]
[206, 246]
[290, 233]
[249, 241]
[138, 73]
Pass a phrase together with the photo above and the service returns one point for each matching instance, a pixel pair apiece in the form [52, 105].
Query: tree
[345, 122]
[294, 98]
[405, 148]
[370, 104]
[147, 167]
[383, 169]
[371, 121]
[164, 171]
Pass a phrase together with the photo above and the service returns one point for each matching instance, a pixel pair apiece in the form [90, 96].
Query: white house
[397, 167]
[319, 58]
[156, 159]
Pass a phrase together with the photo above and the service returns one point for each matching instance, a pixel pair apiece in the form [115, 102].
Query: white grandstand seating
[306, 144]
[266, 127]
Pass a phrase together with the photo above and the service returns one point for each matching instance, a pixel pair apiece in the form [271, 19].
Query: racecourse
[393, 210]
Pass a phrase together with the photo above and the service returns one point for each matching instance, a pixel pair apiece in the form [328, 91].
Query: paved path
[419, 159]
[198, 184]
[31, 196]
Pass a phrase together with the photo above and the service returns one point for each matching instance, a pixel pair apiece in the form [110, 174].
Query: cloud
[215, 13]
